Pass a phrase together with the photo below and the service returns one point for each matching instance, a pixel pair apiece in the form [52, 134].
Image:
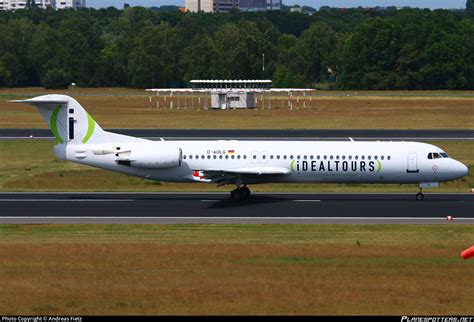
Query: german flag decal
[230, 151]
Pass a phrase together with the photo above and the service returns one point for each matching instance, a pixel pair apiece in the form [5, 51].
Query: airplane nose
[461, 170]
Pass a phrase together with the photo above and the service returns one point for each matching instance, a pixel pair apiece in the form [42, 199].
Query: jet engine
[151, 158]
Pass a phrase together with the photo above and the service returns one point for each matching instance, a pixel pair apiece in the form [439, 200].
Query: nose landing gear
[420, 195]
[240, 194]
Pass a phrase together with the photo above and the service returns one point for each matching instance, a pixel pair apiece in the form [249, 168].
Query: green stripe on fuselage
[90, 128]
[53, 124]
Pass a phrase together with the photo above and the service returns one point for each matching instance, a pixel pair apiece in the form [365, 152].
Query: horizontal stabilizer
[45, 99]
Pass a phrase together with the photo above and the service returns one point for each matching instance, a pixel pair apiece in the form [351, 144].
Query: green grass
[235, 269]
[128, 108]
[30, 165]
[241, 234]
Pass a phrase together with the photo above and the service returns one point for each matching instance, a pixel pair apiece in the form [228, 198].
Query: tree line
[143, 48]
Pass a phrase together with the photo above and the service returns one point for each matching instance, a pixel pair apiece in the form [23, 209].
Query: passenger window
[284, 157]
[245, 157]
[298, 157]
[362, 157]
[325, 157]
[388, 158]
[197, 156]
[203, 157]
[271, 157]
[381, 158]
[337, 157]
[220, 156]
[311, 157]
[238, 157]
[232, 157]
[369, 157]
[190, 156]
[291, 157]
[331, 157]
[184, 157]
[278, 157]
[350, 157]
[356, 157]
[343, 157]
[254, 157]
[319, 157]
[375, 158]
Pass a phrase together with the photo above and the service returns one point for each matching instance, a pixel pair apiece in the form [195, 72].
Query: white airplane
[80, 139]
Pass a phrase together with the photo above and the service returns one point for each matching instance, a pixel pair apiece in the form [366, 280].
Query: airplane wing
[227, 176]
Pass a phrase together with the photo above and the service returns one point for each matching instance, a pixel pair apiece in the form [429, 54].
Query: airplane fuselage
[80, 139]
[293, 161]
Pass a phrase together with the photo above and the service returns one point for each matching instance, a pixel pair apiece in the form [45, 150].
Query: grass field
[128, 108]
[235, 269]
[30, 165]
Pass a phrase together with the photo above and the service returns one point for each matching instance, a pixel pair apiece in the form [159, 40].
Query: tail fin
[68, 121]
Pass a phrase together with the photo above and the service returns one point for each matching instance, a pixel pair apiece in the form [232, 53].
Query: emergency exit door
[412, 166]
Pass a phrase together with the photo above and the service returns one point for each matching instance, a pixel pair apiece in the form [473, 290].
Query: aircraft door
[412, 166]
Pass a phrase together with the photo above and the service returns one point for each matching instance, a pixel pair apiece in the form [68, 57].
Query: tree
[56, 79]
[240, 47]
[316, 52]
[197, 58]
[470, 7]
[4, 75]
[283, 77]
[362, 56]
[153, 61]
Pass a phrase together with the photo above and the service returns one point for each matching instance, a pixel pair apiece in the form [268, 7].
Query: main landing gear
[420, 195]
[239, 194]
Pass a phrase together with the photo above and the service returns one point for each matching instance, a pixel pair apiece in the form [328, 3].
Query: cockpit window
[436, 155]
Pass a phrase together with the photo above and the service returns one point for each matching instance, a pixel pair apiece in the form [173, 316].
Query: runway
[216, 208]
[208, 134]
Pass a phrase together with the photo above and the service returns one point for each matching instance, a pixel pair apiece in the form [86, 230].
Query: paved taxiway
[208, 134]
[167, 208]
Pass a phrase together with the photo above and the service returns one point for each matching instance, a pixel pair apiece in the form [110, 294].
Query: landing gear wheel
[420, 196]
[236, 195]
[245, 192]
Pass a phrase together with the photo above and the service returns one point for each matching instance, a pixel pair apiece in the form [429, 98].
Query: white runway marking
[298, 200]
[66, 200]
[231, 218]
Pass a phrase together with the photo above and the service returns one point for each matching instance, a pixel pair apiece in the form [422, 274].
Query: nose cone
[460, 170]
